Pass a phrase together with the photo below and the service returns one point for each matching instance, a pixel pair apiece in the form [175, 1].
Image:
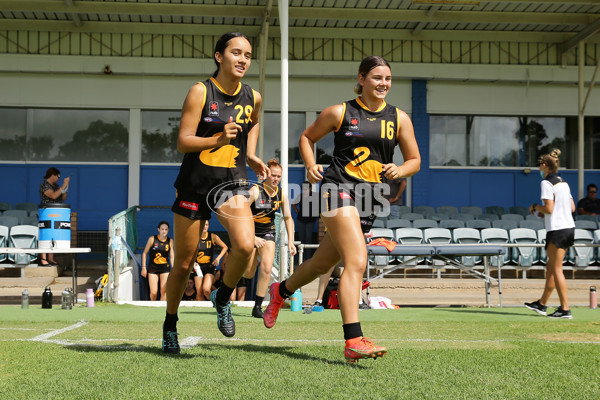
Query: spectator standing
[52, 192]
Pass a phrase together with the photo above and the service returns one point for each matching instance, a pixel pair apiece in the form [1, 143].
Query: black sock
[283, 292]
[352, 330]
[258, 301]
[171, 322]
[223, 294]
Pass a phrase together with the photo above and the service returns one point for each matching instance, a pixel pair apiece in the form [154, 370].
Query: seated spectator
[589, 205]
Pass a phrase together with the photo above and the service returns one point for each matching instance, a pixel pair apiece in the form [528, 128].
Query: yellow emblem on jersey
[223, 156]
[202, 258]
[159, 259]
[361, 168]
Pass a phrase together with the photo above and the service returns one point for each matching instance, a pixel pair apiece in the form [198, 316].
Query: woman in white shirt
[560, 232]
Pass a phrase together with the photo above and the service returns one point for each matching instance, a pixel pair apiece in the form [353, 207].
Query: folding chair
[524, 256]
[448, 210]
[512, 217]
[3, 240]
[424, 223]
[25, 237]
[597, 241]
[473, 210]
[464, 216]
[27, 206]
[582, 256]
[7, 220]
[18, 214]
[489, 217]
[478, 224]
[452, 223]
[437, 236]
[496, 236]
[585, 224]
[505, 224]
[541, 234]
[412, 216]
[408, 236]
[467, 236]
[524, 211]
[427, 211]
[585, 217]
[498, 210]
[379, 223]
[536, 225]
[398, 223]
[386, 233]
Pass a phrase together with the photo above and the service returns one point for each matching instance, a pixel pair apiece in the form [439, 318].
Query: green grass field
[113, 352]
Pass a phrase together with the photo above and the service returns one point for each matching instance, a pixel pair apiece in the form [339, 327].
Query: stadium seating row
[26, 206]
[11, 220]
[475, 211]
[21, 236]
[521, 257]
[534, 223]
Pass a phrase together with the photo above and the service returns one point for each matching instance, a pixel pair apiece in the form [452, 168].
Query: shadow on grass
[127, 347]
[486, 311]
[287, 351]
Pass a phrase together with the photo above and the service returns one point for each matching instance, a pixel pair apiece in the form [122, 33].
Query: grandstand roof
[555, 21]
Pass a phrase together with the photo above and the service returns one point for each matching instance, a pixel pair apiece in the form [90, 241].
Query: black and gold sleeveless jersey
[206, 249]
[158, 255]
[202, 171]
[263, 211]
[363, 142]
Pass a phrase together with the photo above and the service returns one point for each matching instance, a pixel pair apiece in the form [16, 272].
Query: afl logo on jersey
[208, 119]
[213, 109]
[354, 124]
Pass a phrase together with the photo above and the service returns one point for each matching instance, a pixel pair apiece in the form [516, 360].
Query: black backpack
[330, 299]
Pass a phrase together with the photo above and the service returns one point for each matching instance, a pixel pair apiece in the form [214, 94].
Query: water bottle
[296, 300]
[66, 299]
[89, 297]
[25, 299]
[47, 298]
[593, 297]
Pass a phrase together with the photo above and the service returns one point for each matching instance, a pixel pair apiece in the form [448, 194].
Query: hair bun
[555, 153]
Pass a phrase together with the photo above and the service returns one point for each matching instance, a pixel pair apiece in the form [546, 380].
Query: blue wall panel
[96, 192]
[492, 188]
[448, 188]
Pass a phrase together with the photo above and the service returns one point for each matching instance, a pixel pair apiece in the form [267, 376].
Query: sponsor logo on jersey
[354, 123]
[348, 133]
[344, 195]
[213, 109]
[188, 205]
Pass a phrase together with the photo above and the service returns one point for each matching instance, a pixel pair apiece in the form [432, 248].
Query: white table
[70, 250]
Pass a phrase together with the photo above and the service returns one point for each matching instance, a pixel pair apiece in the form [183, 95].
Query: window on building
[13, 133]
[78, 135]
[509, 141]
[159, 136]
[272, 141]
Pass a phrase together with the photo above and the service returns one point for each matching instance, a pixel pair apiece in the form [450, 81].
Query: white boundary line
[44, 337]
[192, 341]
